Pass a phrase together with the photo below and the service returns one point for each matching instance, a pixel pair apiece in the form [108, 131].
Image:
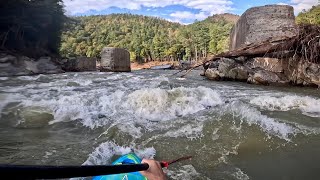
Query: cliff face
[261, 23]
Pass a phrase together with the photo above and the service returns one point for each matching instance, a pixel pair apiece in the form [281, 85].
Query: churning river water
[232, 130]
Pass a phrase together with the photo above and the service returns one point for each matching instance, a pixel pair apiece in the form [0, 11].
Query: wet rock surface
[21, 65]
[265, 71]
[80, 64]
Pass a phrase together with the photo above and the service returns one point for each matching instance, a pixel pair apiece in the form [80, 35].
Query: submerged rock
[225, 64]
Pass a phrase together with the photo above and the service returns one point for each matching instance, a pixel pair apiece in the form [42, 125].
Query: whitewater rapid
[148, 111]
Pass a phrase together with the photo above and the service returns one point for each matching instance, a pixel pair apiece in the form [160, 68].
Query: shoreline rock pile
[281, 54]
[21, 65]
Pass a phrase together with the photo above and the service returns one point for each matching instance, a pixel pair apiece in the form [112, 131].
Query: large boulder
[240, 73]
[21, 65]
[225, 65]
[80, 64]
[115, 60]
[302, 72]
[264, 77]
[269, 64]
[225, 69]
[212, 74]
[45, 65]
[258, 24]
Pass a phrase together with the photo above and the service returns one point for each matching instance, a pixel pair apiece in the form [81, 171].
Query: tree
[147, 38]
[31, 27]
[311, 16]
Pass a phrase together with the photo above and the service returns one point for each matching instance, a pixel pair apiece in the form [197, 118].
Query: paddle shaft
[55, 172]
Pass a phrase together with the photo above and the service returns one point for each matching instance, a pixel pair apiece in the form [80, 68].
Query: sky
[182, 11]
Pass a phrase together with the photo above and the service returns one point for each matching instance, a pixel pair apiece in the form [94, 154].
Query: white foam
[3, 78]
[269, 125]
[111, 103]
[308, 105]
[137, 107]
[49, 153]
[161, 104]
[102, 155]
[6, 99]
[240, 175]
[82, 82]
[186, 172]
[28, 78]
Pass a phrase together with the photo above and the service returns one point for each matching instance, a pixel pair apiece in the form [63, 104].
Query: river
[233, 130]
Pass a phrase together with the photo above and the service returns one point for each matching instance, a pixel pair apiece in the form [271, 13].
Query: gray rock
[225, 65]
[239, 73]
[23, 65]
[115, 60]
[258, 24]
[301, 72]
[269, 64]
[73, 84]
[213, 64]
[31, 66]
[80, 64]
[264, 77]
[241, 59]
[46, 65]
[212, 74]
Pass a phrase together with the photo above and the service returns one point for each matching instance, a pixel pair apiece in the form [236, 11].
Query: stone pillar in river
[258, 24]
[115, 60]
[80, 64]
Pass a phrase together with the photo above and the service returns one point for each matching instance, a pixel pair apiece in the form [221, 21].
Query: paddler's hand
[154, 172]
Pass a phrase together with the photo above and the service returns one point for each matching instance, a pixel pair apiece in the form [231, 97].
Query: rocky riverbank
[268, 48]
[14, 65]
[265, 71]
[17, 65]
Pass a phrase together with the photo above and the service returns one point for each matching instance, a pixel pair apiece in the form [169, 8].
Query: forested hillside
[147, 38]
[311, 16]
